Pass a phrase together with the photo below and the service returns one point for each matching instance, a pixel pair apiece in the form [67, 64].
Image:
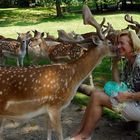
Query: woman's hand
[122, 97]
[116, 59]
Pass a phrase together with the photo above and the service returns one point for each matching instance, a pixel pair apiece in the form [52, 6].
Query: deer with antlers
[59, 51]
[136, 25]
[62, 51]
[26, 92]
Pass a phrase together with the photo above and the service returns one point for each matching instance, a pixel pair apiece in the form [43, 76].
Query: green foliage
[107, 1]
[102, 73]
[81, 99]
[27, 62]
[111, 114]
[22, 16]
[46, 3]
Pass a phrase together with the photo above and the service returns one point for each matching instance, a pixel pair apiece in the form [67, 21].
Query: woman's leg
[92, 114]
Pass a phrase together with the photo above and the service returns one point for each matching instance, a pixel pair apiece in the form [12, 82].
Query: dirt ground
[71, 117]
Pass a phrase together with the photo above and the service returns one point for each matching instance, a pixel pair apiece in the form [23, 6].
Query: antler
[135, 27]
[89, 19]
[130, 19]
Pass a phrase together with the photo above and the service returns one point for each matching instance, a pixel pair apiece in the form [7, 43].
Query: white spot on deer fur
[70, 78]
[3, 81]
[73, 71]
[25, 80]
[4, 90]
[44, 85]
[20, 83]
[53, 81]
[25, 89]
[48, 86]
[1, 92]
[66, 84]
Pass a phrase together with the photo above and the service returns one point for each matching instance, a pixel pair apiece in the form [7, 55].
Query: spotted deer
[55, 51]
[71, 37]
[26, 92]
[12, 48]
[65, 50]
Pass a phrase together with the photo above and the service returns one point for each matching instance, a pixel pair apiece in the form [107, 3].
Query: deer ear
[42, 34]
[28, 32]
[33, 31]
[96, 41]
[18, 33]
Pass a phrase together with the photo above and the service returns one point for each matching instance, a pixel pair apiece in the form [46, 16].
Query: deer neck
[43, 45]
[85, 65]
[23, 46]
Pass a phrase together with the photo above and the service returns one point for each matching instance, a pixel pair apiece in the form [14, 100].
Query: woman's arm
[127, 96]
[135, 96]
[115, 71]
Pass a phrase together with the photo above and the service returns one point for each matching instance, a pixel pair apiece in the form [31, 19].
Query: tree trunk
[97, 6]
[124, 5]
[5, 3]
[58, 8]
[23, 3]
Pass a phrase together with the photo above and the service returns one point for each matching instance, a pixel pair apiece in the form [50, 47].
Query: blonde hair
[134, 39]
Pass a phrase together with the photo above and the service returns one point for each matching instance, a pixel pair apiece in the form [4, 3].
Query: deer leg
[2, 59]
[91, 81]
[1, 128]
[21, 61]
[17, 62]
[48, 127]
[55, 119]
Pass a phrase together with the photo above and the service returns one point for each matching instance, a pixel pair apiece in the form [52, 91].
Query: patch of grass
[81, 99]
[111, 114]
[27, 62]
[24, 17]
[14, 20]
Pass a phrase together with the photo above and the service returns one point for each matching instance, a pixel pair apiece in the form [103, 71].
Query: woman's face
[124, 46]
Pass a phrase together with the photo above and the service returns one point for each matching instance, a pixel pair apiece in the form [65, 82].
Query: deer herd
[26, 92]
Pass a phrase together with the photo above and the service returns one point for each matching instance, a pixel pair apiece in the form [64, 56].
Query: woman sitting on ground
[129, 48]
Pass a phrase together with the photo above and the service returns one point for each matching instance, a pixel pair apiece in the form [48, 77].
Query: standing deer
[27, 92]
[71, 37]
[11, 48]
[58, 52]
[62, 51]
